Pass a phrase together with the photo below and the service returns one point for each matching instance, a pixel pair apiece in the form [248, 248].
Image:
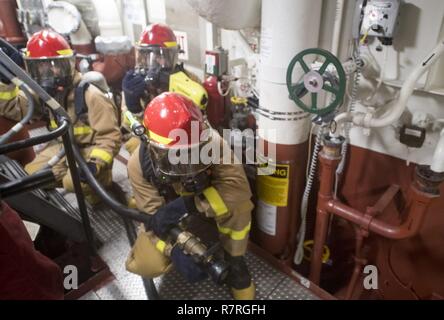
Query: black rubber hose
[31, 107]
[21, 144]
[117, 207]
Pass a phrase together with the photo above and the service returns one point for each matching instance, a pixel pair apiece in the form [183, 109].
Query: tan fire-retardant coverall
[227, 180]
[97, 133]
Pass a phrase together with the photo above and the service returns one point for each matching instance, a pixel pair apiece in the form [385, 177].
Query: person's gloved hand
[15, 56]
[168, 216]
[92, 167]
[186, 266]
[133, 86]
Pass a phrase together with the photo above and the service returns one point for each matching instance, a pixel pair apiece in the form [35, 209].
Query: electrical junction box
[216, 62]
[412, 136]
[376, 18]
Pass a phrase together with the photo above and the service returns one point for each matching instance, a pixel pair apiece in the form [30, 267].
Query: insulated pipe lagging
[396, 110]
[438, 156]
[81, 36]
[337, 26]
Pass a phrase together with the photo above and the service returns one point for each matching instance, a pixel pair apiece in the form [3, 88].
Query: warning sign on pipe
[273, 189]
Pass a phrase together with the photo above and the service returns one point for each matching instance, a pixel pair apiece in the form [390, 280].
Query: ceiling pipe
[438, 155]
[229, 14]
[337, 27]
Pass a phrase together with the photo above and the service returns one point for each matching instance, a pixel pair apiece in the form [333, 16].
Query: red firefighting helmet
[157, 47]
[176, 127]
[49, 59]
[158, 34]
[46, 44]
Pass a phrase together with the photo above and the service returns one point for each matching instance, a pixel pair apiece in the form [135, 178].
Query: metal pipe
[10, 147]
[348, 213]
[418, 203]
[329, 160]
[396, 109]
[283, 130]
[28, 183]
[422, 191]
[359, 262]
[438, 156]
[67, 138]
[337, 26]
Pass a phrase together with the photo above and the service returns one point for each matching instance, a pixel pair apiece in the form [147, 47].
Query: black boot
[239, 279]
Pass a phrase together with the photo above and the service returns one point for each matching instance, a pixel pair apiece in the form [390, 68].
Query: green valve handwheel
[316, 81]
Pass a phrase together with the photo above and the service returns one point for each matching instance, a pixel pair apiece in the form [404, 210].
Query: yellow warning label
[273, 189]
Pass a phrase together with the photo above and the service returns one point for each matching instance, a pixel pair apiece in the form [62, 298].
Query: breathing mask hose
[31, 106]
[103, 194]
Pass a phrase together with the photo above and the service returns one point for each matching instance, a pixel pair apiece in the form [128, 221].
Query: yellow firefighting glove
[147, 258]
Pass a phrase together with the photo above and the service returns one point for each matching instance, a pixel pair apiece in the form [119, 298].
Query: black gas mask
[156, 63]
[158, 78]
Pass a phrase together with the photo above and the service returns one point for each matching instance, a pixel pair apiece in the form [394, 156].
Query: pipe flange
[332, 141]
[332, 146]
[427, 180]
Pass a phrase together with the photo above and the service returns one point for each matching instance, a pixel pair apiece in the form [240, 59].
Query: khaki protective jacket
[98, 128]
[227, 200]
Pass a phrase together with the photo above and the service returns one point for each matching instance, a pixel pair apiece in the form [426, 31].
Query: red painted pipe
[329, 160]
[418, 203]
[360, 261]
[415, 211]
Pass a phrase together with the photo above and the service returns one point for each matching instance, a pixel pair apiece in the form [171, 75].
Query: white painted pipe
[337, 27]
[438, 156]
[229, 14]
[398, 107]
[81, 36]
[288, 27]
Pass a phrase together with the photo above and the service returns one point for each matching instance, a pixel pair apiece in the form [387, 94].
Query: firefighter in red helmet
[50, 61]
[156, 59]
[168, 184]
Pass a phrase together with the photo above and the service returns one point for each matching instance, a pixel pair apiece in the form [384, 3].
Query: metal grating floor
[270, 283]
